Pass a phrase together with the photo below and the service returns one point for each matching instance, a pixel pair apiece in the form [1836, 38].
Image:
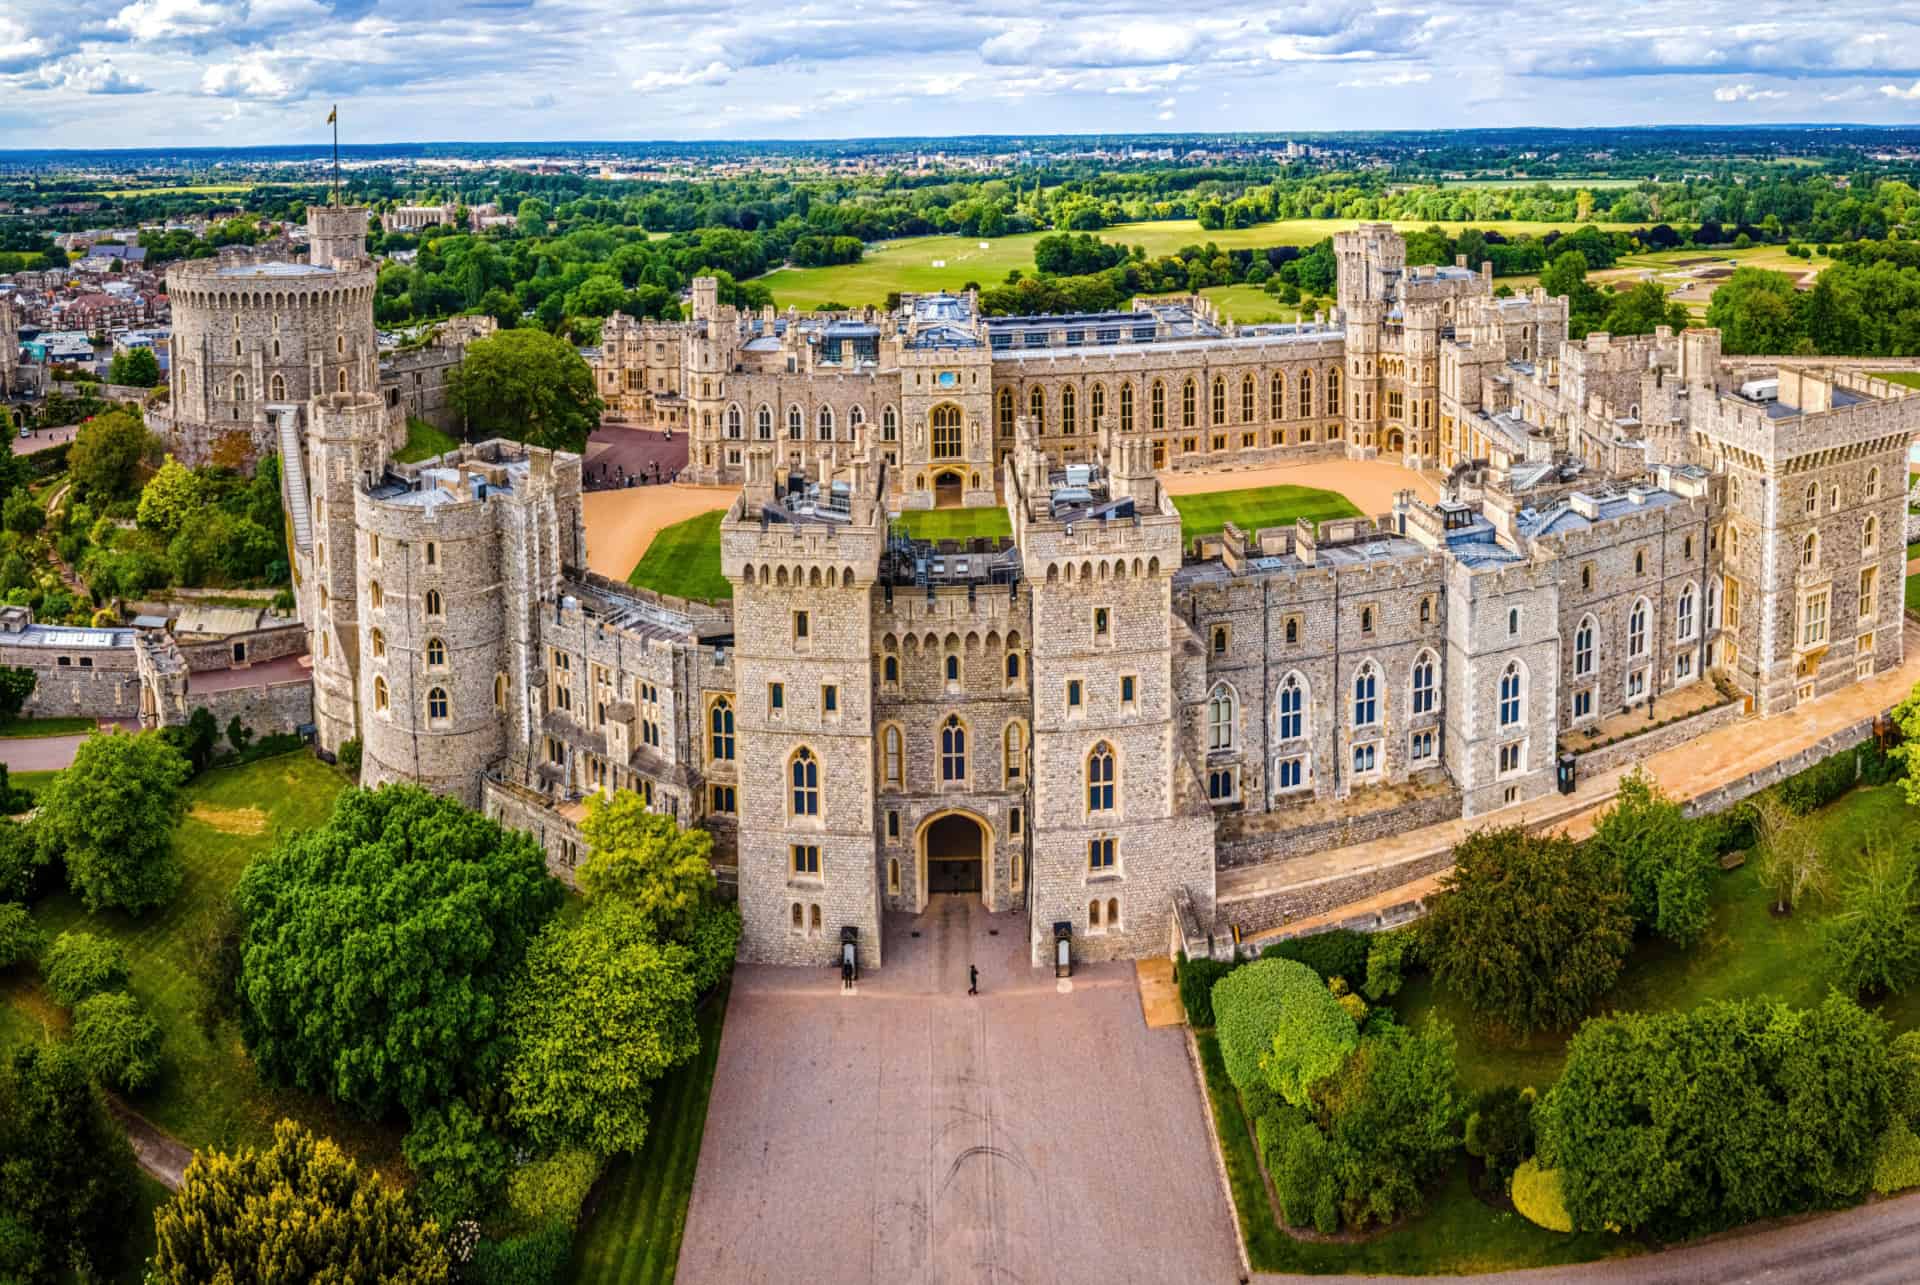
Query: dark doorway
[948, 491]
[955, 848]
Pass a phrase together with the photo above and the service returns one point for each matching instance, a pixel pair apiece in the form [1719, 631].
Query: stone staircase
[293, 481]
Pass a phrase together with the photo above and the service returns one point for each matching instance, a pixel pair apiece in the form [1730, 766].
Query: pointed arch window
[1683, 615]
[1637, 629]
[1246, 399]
[734, 428]
[1222, 715]
[1126, 408]
[1277, 396]
[1366, 696]
[1096, 405]
[1005, 412]
[892, 756]
[763, 423]
[1810, 550]
[239, 387]
[953, 750]
[377, 643]
[436, 654]
[279, 385]
[1870, 534]
[436, 606]
[1037, 408]
[437, 705]
[1873, 483]
[889, 425]
[720, 730]
[1219, 402]
[1306, 392]
[1100, 778]
[796, 424]
[1067, 409]
[826, 423]
[1423, 684]
[804, 777]
[1189, 403]
[1158, 407]
[1583, 648]
[380, 699]
[1014, 747]
[1510, 686]
[1293, 706]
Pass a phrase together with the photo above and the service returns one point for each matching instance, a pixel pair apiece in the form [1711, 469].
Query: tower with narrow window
[345, 451]
[803, 564]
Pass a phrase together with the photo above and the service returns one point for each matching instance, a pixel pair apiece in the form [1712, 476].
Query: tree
[527, 385]
[1389, 1117]
[462, 1164]
[20, 936]
[298, 1210]
[1280, 1026]
[1872, 942]
[1680, 1123]
[664, 873]
[602, 1011]
[135, 368]
[1754, 310]
[1791, 862]
[79, 964]
[67, 1180]
[16, 686]
[1668, 869]
[110, 816]
[170, 496]
[105, 457]
[22, 515]
[1642, 310]
[1528, 929]
[376, 949]
[117, 1041]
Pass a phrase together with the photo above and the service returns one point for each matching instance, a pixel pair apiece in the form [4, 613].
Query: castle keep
[1084, 721]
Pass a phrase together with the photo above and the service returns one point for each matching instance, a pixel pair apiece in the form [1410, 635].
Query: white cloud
[85, 77]
[1166, 102]
[714, 73]
[1745, 93]
[153, 19]
[1910, 94]
[1392, 80]
[246, 77]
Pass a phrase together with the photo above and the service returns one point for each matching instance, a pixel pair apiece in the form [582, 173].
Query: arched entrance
[953, 853]
[949, 490]
[1396, 441]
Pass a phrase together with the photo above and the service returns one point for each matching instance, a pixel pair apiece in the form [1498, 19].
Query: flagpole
[334, 117]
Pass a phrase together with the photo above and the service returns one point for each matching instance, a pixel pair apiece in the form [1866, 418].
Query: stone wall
[1271, 910]
[270, 643]
[1338, 832]
[85, 693]
[268, 710]
[1638, 748]
[519, 808]
[1751, 784]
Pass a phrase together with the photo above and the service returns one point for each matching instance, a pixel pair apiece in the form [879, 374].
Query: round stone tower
[345, 452]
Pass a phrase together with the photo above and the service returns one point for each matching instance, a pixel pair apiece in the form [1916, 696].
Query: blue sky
[88, 73]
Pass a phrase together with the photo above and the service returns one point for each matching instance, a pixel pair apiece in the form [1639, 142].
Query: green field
[1257, 507]
[1907, 378]
[192, 189]
[684, 561]
[20, 728]
[424, 441]
[208, 1094]
[1559, 184]
[956, 524]
[635, 1217]
[908, 264]
[1250, 305]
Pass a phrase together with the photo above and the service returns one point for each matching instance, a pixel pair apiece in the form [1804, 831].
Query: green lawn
[1913, 591]
[1908, 378]
[1250, 305]
[424, 441]
[631, 1234]
[1258, 506]
[19, 728]
[684, 560]
[956, 524]
[208, 1094]
[908, 264]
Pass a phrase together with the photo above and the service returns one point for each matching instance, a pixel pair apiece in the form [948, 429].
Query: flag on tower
[333, 115]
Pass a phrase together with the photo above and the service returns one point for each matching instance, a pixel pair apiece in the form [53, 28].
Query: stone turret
[336, 235]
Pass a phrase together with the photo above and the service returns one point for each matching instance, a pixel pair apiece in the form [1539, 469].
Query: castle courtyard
[911, 1133]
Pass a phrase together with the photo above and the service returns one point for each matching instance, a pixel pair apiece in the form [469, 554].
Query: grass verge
[424, 441]
[956, 524]
[1259, 506]
[632, 1232]
[684, 560]
[24, 728]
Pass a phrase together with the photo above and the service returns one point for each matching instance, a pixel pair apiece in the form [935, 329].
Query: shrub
[1196, 978]
[1813, 788]
[714, 941]
[1388, 956]
[1298, 1162]
[1904, 1055]
[1277, 1020]
[1500, 1130]
[551, 1190]
[1339, 952]
[20, 937]
[462, 1164]
[349, 756]
[1896, 1166]
[1872, 943]
[117, 1041]
[1662, 855]
[80, 964]
[533, 1259]
[1537, 1194]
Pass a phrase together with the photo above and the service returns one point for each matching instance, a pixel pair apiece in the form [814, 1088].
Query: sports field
[909, 264]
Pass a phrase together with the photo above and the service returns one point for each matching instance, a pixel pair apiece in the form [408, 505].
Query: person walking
[973, 980]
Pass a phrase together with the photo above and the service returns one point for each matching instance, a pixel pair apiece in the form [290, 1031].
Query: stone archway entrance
[949, 490]
[1396, 441]
[953, 854]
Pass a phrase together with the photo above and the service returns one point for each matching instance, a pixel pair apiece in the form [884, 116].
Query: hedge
[1338, 952]
[1538, 1196]
[1813, 788]
[1280, 997]
[1196, 978]
[533, 1259]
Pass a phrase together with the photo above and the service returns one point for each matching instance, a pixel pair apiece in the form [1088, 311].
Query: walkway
[51, 753]
[163, 1156]
[1370, 484]
[621, 524]
[911, 1133]
[1686, 771]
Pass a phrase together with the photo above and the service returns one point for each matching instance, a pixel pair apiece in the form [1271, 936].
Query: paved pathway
[910, 1133]
[50, 753]
[163, 1156]
[1370, 484]
[621, 524]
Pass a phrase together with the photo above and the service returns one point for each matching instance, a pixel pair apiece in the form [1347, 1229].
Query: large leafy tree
[1755, 312]
[1872, 942]
[602, 1011]
[664, 873]
[135, 368]
[1389, 1117]
[527, 385]
[1664, 856]
[66, 1172]
[300, 1210]
[1528, 929]
[107, 453]
[171, 496]
[376, 949]
[1680, 1123]
[110, 816]
[1280, 1025]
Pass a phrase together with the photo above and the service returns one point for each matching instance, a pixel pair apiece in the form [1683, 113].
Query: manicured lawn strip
[1909, 378]
[956, 524]
[424, 441]
[209, 1094]
[1250, 305]
[1456, 1234]
[684, 561]
[1257, 507]
[21, 728]
[32, 780]
[1913, 593]
[639, 1212]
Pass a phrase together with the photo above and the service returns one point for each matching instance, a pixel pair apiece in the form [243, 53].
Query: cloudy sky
[88, 73]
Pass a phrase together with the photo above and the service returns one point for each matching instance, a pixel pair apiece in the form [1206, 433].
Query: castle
[1085, 721]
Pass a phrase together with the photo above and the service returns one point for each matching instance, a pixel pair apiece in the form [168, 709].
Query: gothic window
[380, 693]
[437, 705]
[1222, 715]
[1683, 615]
[340, 380]
[796, 423]
[1293, 705]
[1246, 399]
[1873, 483]
[826, 423]
[1510, 683]
[500, 691]
[1423, 684]
[1813, 498]
[1100, 778]
[1306, 392]
[1189, 403]
[892, 756]
[804, 773]
[1126, 408]
[1013, 666]
[435, 607]
[239, 388]
[1810, 549]
[1219, 405]
[1333, 388]
[1037, 409]
[1014, 748]
[733, 423]
[377, 643]
[1583, 647]
[763, 423]
[1096, 405]
[889, 425]
[856, 418]
[1066, 409]
[1869, 534]
[1158, 420]
[1277, 396]
[720, 730]
[953, 749]
[279, 386]
[1637, 629]
[1006, 412]
[1366, 704]
[946, 431]
[436, 654]
[890, 669]
[376, 596]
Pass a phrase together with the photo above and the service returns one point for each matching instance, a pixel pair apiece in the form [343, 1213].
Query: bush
[533, 1259]
[462, 1164]
[1338, 952]
[1904, 1054]
[1537, 1194]
[714, 941]
[349, 756]
[117, 1041]
[1277, 1021]
[1196, 978]
[1388, 956]
[1896, 1167]
[80, 964]
[1500, 1131]
[1815, 787]
[1297, 1160]
[551, 1190]
[20, 937]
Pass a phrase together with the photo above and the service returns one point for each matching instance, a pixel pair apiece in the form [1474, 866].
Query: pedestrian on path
[973, 980]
